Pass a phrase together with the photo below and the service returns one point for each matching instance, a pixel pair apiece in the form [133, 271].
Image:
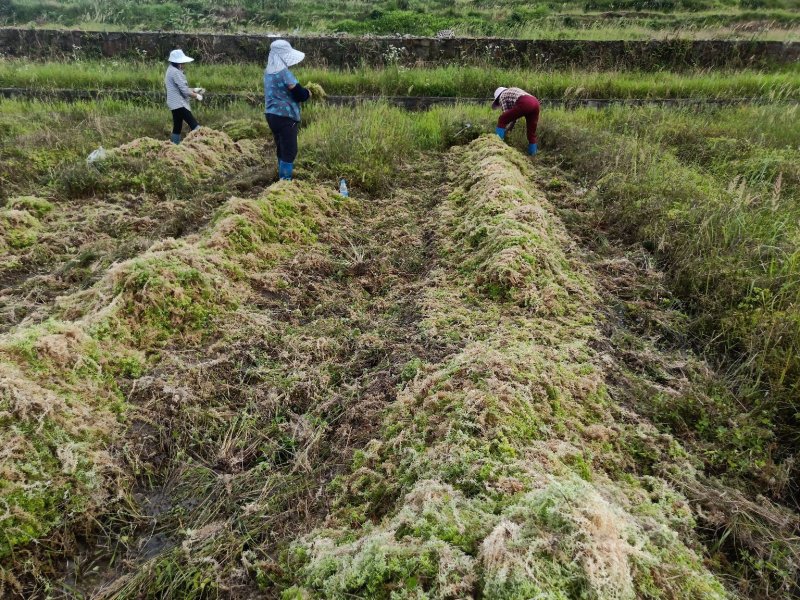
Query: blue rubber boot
[285, 170]
[500, 132]
[533, 149]
[175, 138]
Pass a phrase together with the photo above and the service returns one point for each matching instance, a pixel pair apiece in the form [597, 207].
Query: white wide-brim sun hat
[282, 56]
[497, 93]
[179, 58]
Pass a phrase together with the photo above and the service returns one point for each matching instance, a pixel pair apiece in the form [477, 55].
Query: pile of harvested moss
[159, 167]
[203, 153]
[508, 471]
[61, 407]
[142, 192]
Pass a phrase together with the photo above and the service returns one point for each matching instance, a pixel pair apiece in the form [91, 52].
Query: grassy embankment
[393, 81]
[233, 366]
[590, 19]
[714, 197]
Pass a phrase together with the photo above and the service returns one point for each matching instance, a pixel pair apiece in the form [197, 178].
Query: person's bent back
[516, 103]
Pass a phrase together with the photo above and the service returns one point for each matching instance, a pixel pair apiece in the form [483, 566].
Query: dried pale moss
[21, 228]
[178, 287]
[202, 153]
[284, 214]
[144, 191]
[58, 410]
[246, 129]
[60, 405]
[507, 471]
[38, 207]
[501, 232]
[160, 167]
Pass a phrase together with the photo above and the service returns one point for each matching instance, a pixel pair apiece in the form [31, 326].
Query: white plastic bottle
[343, 191]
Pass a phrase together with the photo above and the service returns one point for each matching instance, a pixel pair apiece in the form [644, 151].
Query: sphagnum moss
[60, 405]
[498, 472]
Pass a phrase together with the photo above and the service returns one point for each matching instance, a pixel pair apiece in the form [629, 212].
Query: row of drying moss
[141, 192]
[159, 167]
[60, 404]
[507, 471]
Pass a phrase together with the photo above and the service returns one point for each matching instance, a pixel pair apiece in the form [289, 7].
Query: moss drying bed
[410, 397]
[101, 213]
[508, 470]
[60, 403]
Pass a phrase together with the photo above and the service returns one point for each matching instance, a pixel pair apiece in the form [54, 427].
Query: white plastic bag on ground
[96, 155]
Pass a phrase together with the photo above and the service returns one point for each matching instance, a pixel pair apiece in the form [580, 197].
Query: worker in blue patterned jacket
[282, 97]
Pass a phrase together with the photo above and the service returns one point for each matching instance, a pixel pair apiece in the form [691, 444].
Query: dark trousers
[528, 107]
[284, 130]
[179, 115]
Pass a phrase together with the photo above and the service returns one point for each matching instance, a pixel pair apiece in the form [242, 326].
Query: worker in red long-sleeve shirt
[515, 104]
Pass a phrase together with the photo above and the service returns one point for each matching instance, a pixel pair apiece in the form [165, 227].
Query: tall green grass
[461, 81]
[716, 195]
[366, 145]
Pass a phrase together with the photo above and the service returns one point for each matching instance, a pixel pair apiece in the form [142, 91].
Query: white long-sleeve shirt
[178, 90]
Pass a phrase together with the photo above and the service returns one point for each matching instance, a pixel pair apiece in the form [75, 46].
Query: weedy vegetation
[717, 204]
[585, 19]
[455, 81]
[482, 375]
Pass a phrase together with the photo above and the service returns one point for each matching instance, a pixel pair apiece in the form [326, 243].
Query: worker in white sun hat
[515, 104]
[282, 97]
[178, 94]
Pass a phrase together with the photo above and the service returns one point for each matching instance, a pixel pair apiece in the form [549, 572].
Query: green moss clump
[60, 402]
[501, 232]
[58, 409]
[38, 207]
[19, 228]
[166, 295]
[419, 554]
[505, 472]
[245, 129]
[160, 167]
[287, 214]
[318, 93]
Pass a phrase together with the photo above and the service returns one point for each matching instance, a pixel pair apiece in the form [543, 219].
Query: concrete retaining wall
[352, 51]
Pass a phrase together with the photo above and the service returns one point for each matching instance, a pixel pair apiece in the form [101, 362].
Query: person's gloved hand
[199, 90]
[501, 132]
[199, 97]
[533, 149]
